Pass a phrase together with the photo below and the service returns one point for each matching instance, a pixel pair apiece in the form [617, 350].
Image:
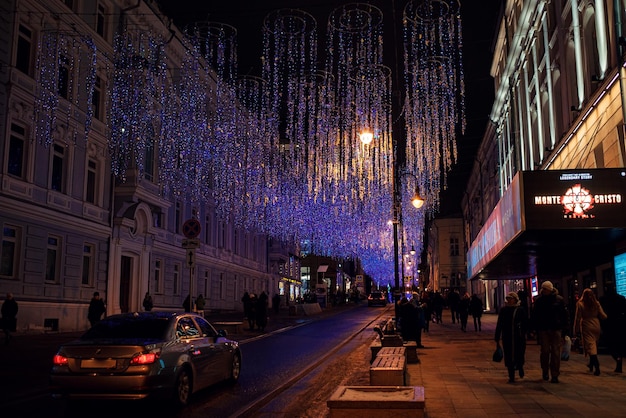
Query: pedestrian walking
[438, 302]
[511, 329]
[147, 302]
[453, 303]
[551, 321]
[9, 317]
[252, 317]
[200, 304]
[187, 304]
[408, 320]
[426, 302]
[476, 310]
[96, 309]
[261, 311]
[463, 310]
[248, 309]
[614, 327]
[587, 323]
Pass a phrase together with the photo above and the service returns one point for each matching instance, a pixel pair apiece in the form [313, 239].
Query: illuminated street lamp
[366, 137]
[417, 200]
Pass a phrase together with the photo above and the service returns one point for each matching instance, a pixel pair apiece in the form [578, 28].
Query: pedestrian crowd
[255, 309]
[546, 321]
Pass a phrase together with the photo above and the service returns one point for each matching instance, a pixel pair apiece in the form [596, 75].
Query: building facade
[446, 255]
[558, 69]
[73, 220]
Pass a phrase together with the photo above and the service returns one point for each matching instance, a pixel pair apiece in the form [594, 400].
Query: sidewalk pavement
[461, 380]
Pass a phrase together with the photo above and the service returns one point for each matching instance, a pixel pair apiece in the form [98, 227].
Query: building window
[88, 264]
[221, 240]
[8, 252]
[156, 278]
[23, 55]
[179, 216]
[63, 88]
[101, 21]
[90, 186]
[207, 285]
[157, 218]
[53, 257]
[96, 99]
[176, 280]
[57, 175]
[222, 289]
[207, 230]
[17, 151]
[454, 246]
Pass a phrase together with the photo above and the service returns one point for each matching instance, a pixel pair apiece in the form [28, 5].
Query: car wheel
[235, 368]
[182, 389]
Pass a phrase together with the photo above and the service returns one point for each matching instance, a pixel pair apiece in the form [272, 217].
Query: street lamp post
[417, 202]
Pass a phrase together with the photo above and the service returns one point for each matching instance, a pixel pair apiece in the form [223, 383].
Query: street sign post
[191, 230]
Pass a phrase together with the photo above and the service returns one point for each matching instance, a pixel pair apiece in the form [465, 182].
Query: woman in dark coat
[511, 328]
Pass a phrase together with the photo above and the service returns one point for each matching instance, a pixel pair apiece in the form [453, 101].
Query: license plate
[98, 364]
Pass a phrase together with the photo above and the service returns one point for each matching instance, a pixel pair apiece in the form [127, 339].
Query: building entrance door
[126, 271]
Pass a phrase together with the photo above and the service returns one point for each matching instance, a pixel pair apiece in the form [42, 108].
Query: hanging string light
[282, 153]
[138, 99]
[63, 53]
[361, 180]
[434, 100]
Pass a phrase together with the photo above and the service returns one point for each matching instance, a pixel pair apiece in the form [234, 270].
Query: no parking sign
[191, 228]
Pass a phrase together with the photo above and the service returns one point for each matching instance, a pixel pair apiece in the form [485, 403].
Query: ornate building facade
[558, 69]
[75, 221]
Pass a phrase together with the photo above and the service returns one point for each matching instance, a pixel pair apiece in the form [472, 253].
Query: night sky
[479, 19]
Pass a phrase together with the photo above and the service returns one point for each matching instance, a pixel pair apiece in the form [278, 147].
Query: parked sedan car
[137, 355]
[377, 299]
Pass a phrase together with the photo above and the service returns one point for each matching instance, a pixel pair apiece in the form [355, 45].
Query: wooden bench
[391, 351]
[410, 346]
[232, 327]
[388, 370]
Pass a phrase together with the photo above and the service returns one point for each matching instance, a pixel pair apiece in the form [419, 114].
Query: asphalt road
[271, 364]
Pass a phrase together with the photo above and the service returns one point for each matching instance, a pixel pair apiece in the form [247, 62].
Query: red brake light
[59, 360]
[141, 359]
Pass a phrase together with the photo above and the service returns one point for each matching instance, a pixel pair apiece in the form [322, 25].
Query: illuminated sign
[502, 226]
[620, 273]
[574, 198]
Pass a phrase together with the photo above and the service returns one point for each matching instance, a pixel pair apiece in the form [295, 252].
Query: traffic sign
[191, 258]
[191, 228]
[191, 243]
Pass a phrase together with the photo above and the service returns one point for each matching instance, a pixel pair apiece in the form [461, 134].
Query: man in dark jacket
[96, 309]
[9, 314]
[551, 321]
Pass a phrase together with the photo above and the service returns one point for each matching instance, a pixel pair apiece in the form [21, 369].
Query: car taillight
[141, 359]
[59, 360]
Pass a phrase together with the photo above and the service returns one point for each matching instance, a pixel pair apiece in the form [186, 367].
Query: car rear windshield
[128, 328]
